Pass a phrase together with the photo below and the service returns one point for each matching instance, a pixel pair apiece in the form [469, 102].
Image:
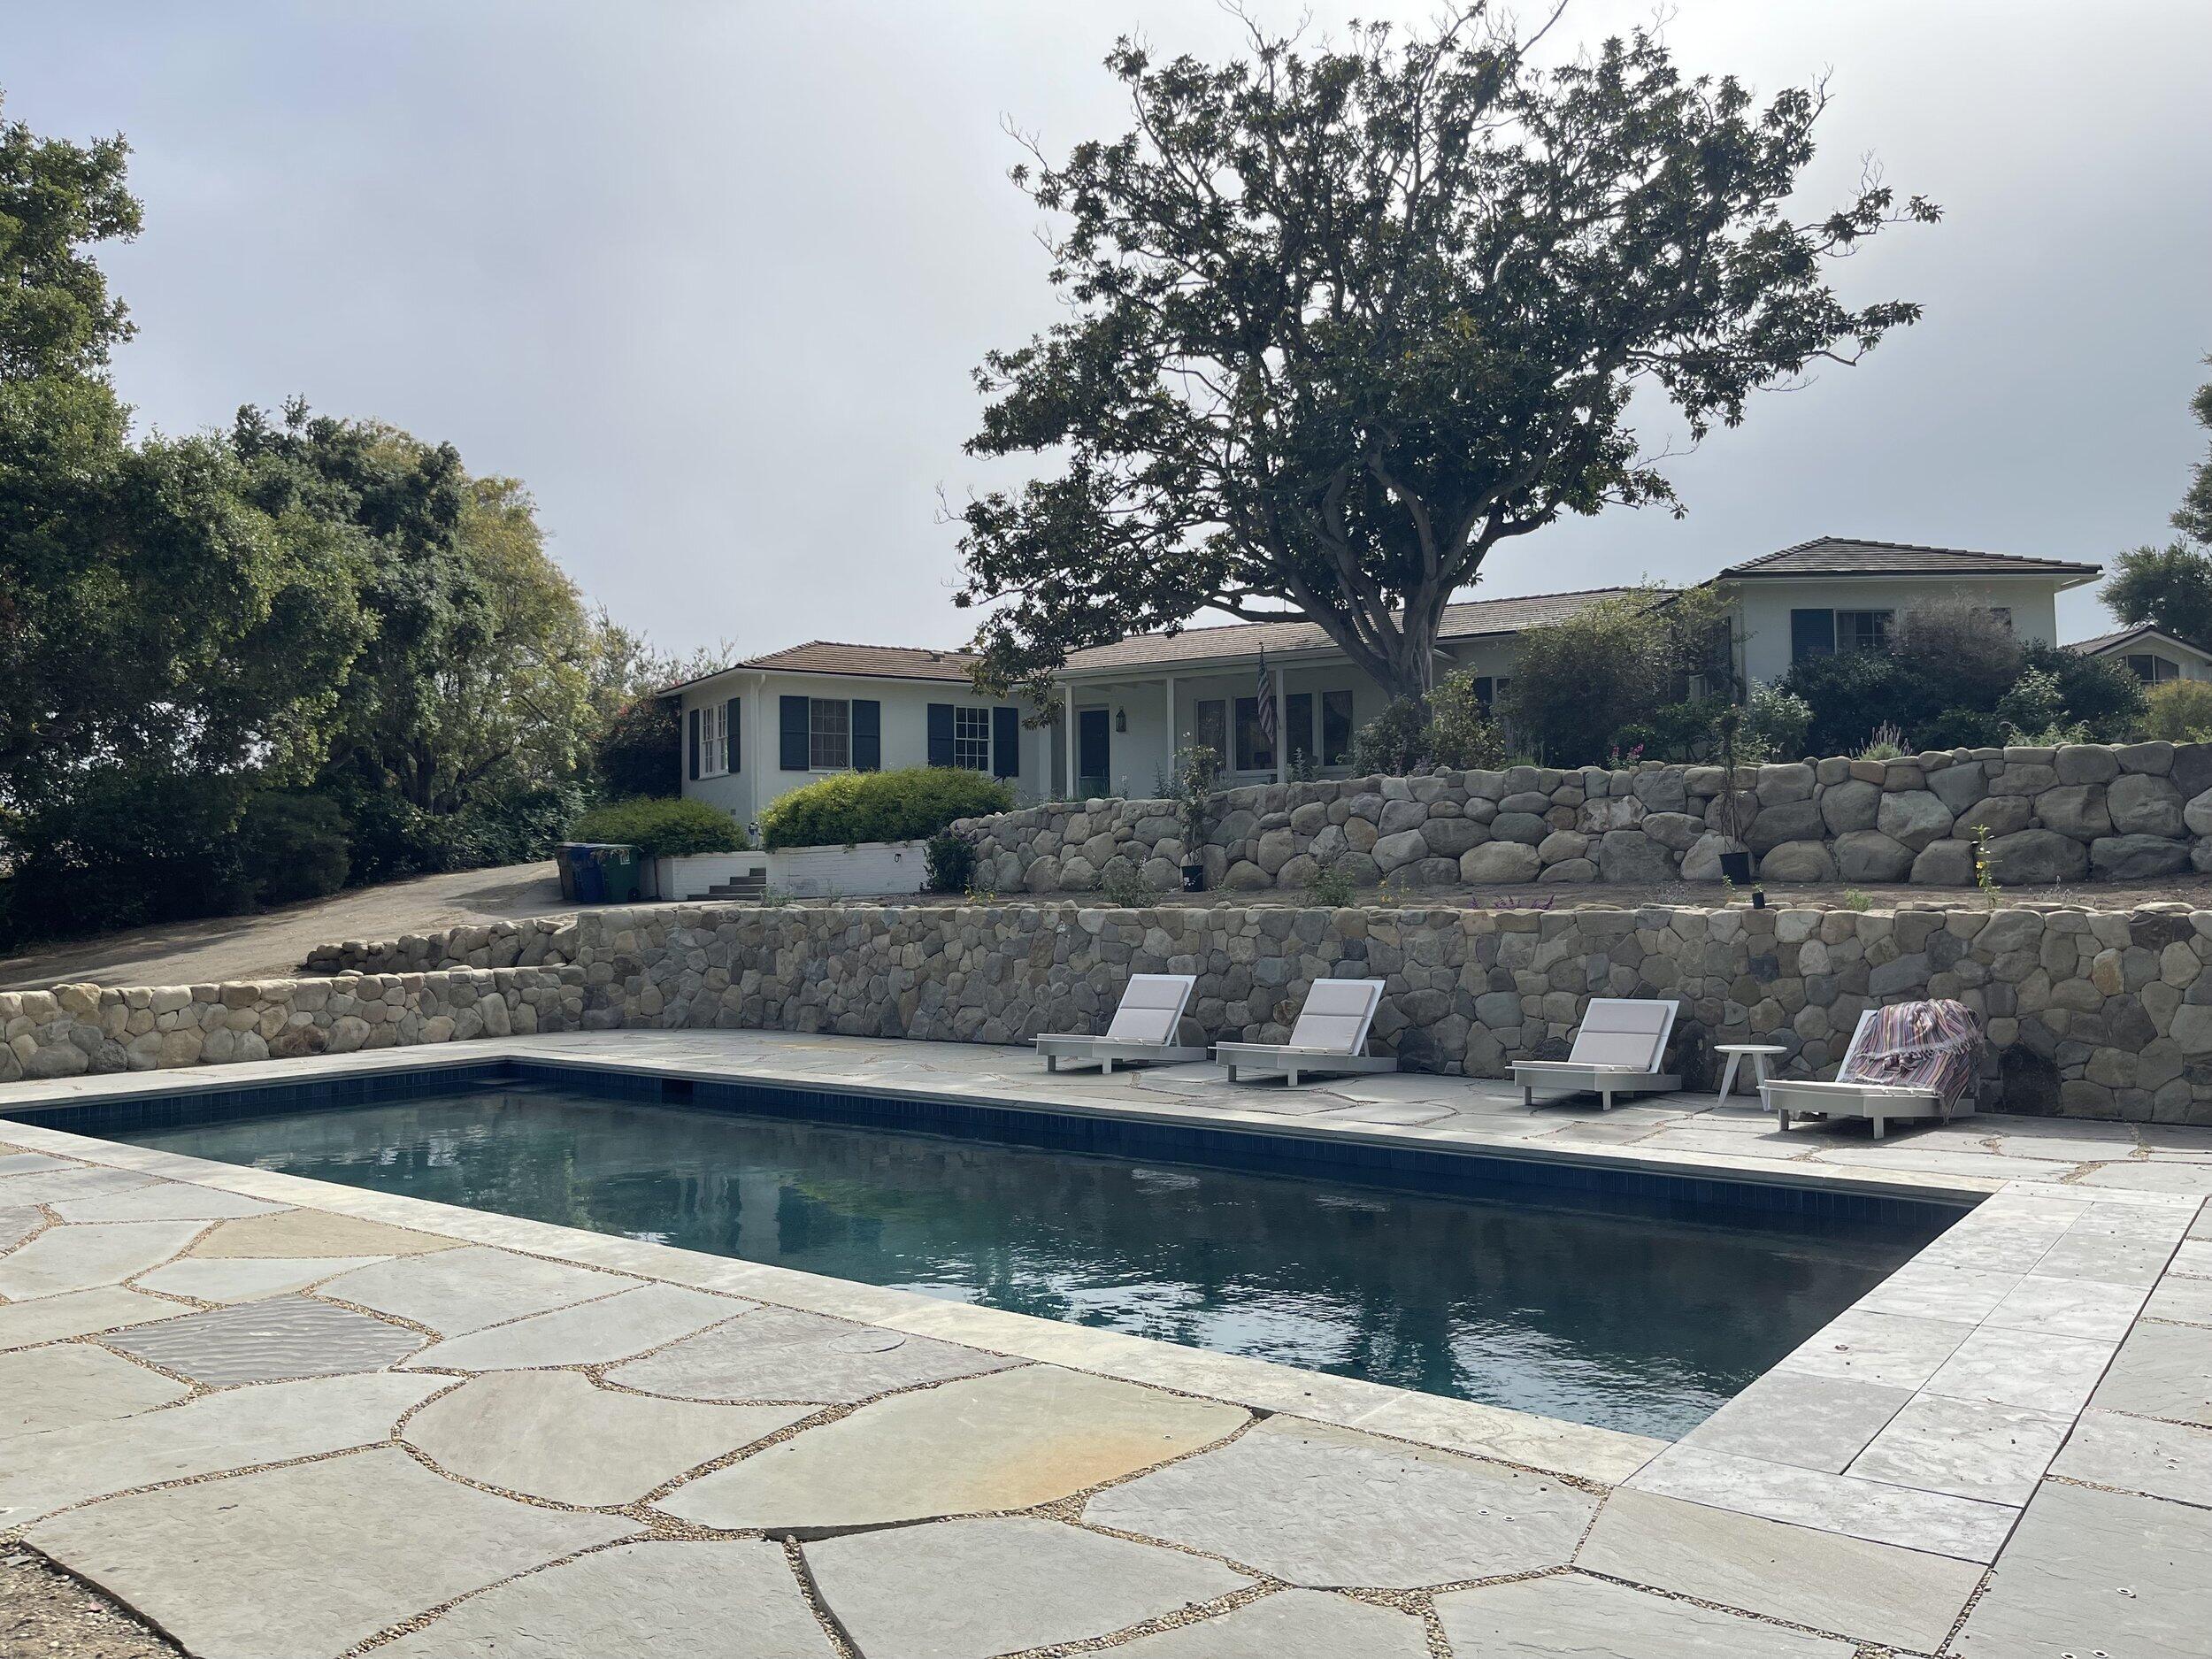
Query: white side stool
[1735, 1051]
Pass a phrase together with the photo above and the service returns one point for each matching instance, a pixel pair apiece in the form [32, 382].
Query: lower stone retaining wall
[2084, 812]
[2089, 1014]
[533, 942]
[73, 1029]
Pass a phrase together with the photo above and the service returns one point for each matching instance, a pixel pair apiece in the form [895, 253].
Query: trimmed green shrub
[662, 828]
[881, 806]
[949, 860]
[2178, 710]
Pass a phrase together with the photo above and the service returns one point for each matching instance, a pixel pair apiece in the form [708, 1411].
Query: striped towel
[1920, 1044]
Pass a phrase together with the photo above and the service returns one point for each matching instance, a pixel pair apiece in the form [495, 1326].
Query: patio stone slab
[2088, 1308]
[293, 1232]
[454, 1292]
[1008, 1440]
[164, 1200]
[63, 1259]
[2181, 1300]
[2166, 1460]
[19, 1223]
[71, 1383]
[1870, 1593]
[344, 1548]
[2023, 1368]
[1891, 1350]
[551, 1434]
[2097, 1572]
[1325, 1506]
[68, 1180]
[246, 1277]
[779, 1353]
[2116, 1259]
[1569, 1614]
[15, 1161]
[1935, 1292]
[1796, 1418]
[596, 1333]
[2163, 1177]
[1969, 1449]
[2162, 1370]
[970, 1589]
[1874, 1510]
[2194, 1259]
[40, 1473]
[80, 1313]
[269, 1341]
[1290, 1625]
[733, 1600]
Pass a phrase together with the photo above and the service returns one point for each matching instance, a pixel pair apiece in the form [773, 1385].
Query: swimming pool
[1633, 1310]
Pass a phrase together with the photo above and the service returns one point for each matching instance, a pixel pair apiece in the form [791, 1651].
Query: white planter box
[872, 869]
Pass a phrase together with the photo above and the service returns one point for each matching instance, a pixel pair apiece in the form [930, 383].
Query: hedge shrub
[880, 806]
[662, 828]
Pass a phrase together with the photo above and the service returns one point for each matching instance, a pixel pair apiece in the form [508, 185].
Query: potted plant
[1196, 769]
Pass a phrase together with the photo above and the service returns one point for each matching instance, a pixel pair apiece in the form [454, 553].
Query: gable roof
[1848, 555]
[1475, 620]
[865, 661]
[2141, 633]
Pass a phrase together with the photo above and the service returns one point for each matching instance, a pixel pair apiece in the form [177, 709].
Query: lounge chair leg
[1052, 1062]
[1605, 1099]
[1107, 1069]
[1784, 1118]
[1528, 1097]
[1232, 1074]
[1877, 1128]
[1290, 1080]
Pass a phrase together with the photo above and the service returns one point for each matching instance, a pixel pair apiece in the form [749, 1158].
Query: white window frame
[816, 735]
[971, 738]
[714, 740]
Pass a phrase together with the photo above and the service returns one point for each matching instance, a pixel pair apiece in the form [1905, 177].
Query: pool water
[1641, 1319]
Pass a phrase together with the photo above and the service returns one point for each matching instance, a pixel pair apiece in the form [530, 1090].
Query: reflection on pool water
[1641, 1321]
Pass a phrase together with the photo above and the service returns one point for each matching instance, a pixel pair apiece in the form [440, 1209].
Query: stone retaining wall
[2089, 1014]
[2085, 811]
[533, 942]
[77, 1028]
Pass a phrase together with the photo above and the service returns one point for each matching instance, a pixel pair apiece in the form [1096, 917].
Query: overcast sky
[711, 278]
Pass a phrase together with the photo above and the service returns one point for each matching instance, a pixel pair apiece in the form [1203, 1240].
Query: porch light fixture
[1121, 719]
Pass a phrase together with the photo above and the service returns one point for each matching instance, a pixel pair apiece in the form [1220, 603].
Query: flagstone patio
[279, 1417]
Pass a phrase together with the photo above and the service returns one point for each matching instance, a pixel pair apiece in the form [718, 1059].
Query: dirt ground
[45, 1614]
[275, 942]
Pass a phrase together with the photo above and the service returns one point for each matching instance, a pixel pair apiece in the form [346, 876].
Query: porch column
[1171, 723]
[1069, 692]
[1282, 730]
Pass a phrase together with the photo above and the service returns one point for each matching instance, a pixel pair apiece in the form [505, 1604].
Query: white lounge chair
[1330, 1039]
[1143, 1030]
[1618, 1050]
[1847, 1097]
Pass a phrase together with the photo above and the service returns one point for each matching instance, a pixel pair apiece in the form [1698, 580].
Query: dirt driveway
[274, 944]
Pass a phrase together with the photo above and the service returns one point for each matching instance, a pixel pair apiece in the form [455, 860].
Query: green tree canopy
[2172, 586]
[1343, 321]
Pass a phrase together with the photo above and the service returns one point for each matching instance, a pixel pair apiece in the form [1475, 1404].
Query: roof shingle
[1472, 620]
[1848, 555]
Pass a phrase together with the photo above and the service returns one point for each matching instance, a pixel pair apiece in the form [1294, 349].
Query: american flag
[1267, 697]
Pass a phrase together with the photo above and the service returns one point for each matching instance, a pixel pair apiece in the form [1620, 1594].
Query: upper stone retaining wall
[73, 1029]
[2088, 1013]
[533, 942]
[2085, 811]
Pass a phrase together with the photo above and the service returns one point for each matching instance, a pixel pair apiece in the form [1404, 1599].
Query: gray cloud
[711, 278]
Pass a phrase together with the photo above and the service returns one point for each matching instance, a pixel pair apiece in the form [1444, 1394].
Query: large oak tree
[1343, 321]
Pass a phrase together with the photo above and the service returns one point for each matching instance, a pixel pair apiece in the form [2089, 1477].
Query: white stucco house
[760, 728]
[2150, 653]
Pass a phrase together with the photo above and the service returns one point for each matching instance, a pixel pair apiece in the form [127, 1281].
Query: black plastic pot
[1194, 878]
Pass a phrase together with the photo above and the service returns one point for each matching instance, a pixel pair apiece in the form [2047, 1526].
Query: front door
[1093, 765]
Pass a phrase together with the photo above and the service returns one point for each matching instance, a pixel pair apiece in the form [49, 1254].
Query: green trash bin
[621, 874]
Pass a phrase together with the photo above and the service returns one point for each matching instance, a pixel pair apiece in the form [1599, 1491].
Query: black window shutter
[940, 734]
[729, 713]
[1812, 634]
[791, 716]
[1006, 743]
[867, 734]
[693, 724]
